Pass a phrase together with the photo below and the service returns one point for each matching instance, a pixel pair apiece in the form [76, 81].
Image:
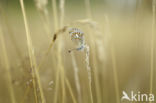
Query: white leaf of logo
[125, 96]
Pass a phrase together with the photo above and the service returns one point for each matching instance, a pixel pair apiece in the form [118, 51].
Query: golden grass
[76, 80]
[95, 70]
[7, 67]
[35, 73]
[152, 47]
[113, 58]
[55, 15]
[60, 63]
[41, 6]
[76, 74]
[115, 74]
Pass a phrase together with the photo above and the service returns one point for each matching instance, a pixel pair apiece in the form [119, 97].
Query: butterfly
[78, 36]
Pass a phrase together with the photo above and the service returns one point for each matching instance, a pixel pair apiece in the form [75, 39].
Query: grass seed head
[41, 4]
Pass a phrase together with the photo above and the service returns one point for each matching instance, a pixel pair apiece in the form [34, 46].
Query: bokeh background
[121, 37]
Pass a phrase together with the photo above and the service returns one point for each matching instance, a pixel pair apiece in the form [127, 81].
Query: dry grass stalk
[55, 15]
[41, 6]
[71, 91]
[62, 10]
[89, 72]
[55, 37]
[77, 81]
[78, 36]
[60, 64]
[62, 73]
[10, 32]
[93, 25]
[7, 67]
[115, 74]
[56, 86]
[152, 47]
[95, 70]
[88, 8]
[113, 57]
[60, 43]
[35, 73]
[25, 95]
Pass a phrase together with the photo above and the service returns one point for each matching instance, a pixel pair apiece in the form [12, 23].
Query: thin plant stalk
[115, 74]
[113, 57]
[15, 44]
[152, 47]
[88, 8]
[77, 81]
[10, 32]
[55, 36]
[89, 72]
[68, 86]
[41, 6]
[25, 95]
[63, 84]
[45, 21]
[56, 86]
[29, 48]
[70, 90]
[96, 78]
[55, 15]
[62, 73]
[62, 76]
[138, 7]
[60, 43]
[35, 73]
[62, 10]
[7, 67]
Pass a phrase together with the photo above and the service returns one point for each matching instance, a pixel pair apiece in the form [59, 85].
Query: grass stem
[152, 47]
[7, 67]
[35, 73]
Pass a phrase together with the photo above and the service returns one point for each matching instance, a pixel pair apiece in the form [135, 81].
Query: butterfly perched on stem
[78, 36]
